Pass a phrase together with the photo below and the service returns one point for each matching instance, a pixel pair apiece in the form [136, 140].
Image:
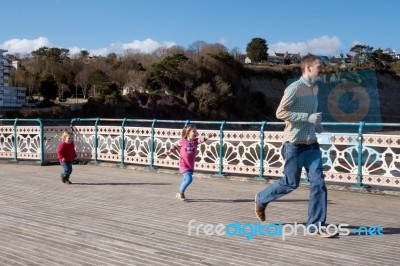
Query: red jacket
[66, 151]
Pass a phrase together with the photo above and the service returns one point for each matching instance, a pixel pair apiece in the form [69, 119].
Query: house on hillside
[247, 60]
[284, 58]
[392, 54]
[279, 58]
[131, 87]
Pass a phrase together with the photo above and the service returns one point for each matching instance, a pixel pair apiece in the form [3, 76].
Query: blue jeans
[296, 157]
[67, 169]
[187, 179]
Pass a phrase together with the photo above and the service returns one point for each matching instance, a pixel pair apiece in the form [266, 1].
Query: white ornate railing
[240, 154]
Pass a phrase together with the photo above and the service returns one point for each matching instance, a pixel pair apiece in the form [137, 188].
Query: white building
[9, 96]
[132, 87]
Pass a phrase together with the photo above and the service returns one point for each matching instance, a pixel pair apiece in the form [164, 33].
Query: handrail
[361, 126]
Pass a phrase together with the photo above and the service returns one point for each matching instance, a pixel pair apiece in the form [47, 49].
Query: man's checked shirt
[298, 103]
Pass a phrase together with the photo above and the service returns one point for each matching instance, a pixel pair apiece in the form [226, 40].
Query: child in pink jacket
[187, 146]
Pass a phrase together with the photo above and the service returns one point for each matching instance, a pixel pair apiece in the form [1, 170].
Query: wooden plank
[114, 216]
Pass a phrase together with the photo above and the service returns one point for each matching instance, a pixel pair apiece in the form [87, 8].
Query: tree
[196, 47]
[362, 57]
[48, 87]
[84, 54]
[214, 48]
[82, 79]
[236, 53]
[100, 80]
[111, 58]
[167, 74]
[396, 68]
[382, 60]
[23, 78]
[257, 50]
[206, 98]
[32, 82]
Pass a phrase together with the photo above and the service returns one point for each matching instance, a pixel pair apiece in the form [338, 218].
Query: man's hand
[319, 128]
[315, 118]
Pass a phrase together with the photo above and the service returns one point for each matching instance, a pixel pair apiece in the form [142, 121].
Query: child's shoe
[67, 181]
[180, 195]
[62, 179]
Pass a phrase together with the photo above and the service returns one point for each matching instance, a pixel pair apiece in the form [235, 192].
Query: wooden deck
[113, 216]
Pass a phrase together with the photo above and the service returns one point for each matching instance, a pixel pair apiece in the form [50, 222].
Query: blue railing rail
[222, 126]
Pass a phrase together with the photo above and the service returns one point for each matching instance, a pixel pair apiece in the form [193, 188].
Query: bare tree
[196, 47]
[206, 98]
[82, 79]
[236, 53]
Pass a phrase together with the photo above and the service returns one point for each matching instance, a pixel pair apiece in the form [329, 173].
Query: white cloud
[24, 46]
[75, 50]
[146, 46]
[323, 45]
[100, 51]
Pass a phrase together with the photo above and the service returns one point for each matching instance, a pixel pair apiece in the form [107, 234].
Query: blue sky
[101, 27]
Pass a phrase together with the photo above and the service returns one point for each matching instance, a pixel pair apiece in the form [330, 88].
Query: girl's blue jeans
[187, 179]
[296, 157]
[67, 169]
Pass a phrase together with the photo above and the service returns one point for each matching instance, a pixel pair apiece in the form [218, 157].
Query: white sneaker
[180, 195]
[324, 233]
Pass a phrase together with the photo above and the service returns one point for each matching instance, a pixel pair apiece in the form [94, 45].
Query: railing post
[122, 164]
[221, 150]
[15, 141]
[71, 124]
[260, 175]
[151, 166]
[360, 157]
[41, 140]
[95, 141]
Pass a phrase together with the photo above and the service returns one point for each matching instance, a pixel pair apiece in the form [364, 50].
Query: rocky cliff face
[273, 86]
[389, 97]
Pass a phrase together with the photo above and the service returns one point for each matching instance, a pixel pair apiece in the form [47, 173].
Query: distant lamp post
[343, 62]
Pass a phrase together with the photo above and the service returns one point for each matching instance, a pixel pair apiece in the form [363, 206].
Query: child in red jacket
[66, 154]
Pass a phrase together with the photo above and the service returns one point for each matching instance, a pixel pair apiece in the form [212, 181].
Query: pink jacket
[188, 152]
